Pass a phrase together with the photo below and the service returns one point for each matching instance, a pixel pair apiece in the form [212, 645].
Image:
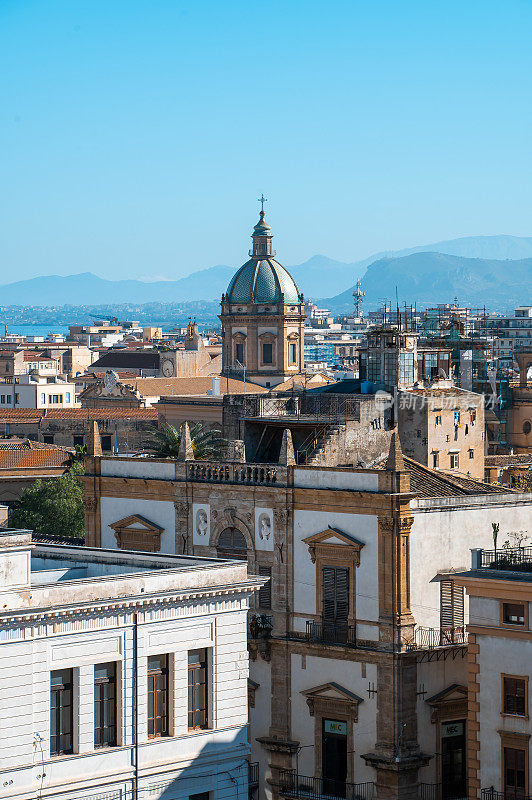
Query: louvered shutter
[342, 596]
[451, 605]
[265, 592]
[329, 605]
[335, 595]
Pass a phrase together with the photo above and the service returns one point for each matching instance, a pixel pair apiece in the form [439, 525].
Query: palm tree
[164, 442]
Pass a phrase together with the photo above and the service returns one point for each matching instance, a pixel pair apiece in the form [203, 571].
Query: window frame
[57, 690]
[160, 672]
[515, 625]
[522, 678]
[195, 669]
[109, 702]
[264, 362]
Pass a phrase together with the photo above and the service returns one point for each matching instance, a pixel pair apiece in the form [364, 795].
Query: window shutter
[335, 594]
[451, 605]
[328, 594]
[265, 592]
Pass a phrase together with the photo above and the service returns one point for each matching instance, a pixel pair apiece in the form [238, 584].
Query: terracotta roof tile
[12, 415]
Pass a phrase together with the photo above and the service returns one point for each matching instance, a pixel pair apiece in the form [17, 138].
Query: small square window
[513, 613]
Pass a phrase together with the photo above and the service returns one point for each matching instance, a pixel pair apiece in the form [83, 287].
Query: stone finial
[395, 461]
[186, 451]
[287, 456]
[95, 442]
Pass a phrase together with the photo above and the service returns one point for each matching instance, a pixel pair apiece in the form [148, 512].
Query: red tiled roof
[12, 415]
[23, 454]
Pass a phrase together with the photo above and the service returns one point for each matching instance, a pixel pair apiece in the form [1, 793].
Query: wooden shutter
[451, 605]
[265, 592]
[335, 595]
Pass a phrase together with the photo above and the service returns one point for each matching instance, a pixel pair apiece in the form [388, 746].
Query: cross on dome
[262, 200]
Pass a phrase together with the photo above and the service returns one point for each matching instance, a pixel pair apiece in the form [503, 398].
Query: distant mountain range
[430, 278]
[473, 268]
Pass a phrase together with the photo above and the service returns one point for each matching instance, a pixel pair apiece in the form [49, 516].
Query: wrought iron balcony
[302, 786]
[434, 791]
[493, 794]
[330, 633]
[434, 638]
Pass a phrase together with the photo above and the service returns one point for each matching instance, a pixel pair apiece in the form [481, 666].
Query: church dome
[262, 279]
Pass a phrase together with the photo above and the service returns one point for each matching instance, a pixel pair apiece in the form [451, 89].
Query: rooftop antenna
[398, 318]
[358, 294]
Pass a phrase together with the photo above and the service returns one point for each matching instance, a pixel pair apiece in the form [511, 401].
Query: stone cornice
[128, 604]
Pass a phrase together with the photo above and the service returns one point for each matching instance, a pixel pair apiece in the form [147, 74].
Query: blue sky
[136, 136]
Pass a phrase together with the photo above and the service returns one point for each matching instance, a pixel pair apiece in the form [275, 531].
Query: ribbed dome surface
[264, 281]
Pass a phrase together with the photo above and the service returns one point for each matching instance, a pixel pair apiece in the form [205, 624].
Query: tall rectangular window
[265, 592]
[267, 353]
[157, 696]
[455, 461]
[335, 601]
[292, 353]
[514, 773]
[197, 689]
[61, 708]
[435, 459]
[105, 705]
[451, 605]
[514, 698]
[239, 353]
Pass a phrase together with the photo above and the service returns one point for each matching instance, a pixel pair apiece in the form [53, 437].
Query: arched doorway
[231, 544]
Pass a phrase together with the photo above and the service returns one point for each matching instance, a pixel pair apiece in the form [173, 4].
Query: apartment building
[36, 390]
[444, 428]
[499, 587]
[509, 333]
[123, 675]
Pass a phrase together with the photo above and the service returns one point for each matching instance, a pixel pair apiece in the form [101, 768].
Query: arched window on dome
[232, 544]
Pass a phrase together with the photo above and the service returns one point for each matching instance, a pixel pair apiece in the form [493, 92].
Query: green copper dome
[263, 281]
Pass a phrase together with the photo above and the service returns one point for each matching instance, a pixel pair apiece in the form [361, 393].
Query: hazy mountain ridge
[430, 278]
[317, 277]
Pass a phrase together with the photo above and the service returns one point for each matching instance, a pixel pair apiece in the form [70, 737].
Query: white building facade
[37, 390]
[500, 665]
[121, 677]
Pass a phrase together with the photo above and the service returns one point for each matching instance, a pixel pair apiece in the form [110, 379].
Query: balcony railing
[330, 633]
[517, 559]
[307, 788]
[433, 638]
[305, 407]
[493, 794]
[434, 791]
[222, 472]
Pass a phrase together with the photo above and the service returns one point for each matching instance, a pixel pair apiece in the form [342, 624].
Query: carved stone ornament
[280, 516]
[330, 699]
[181, 508]
[91, 503]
